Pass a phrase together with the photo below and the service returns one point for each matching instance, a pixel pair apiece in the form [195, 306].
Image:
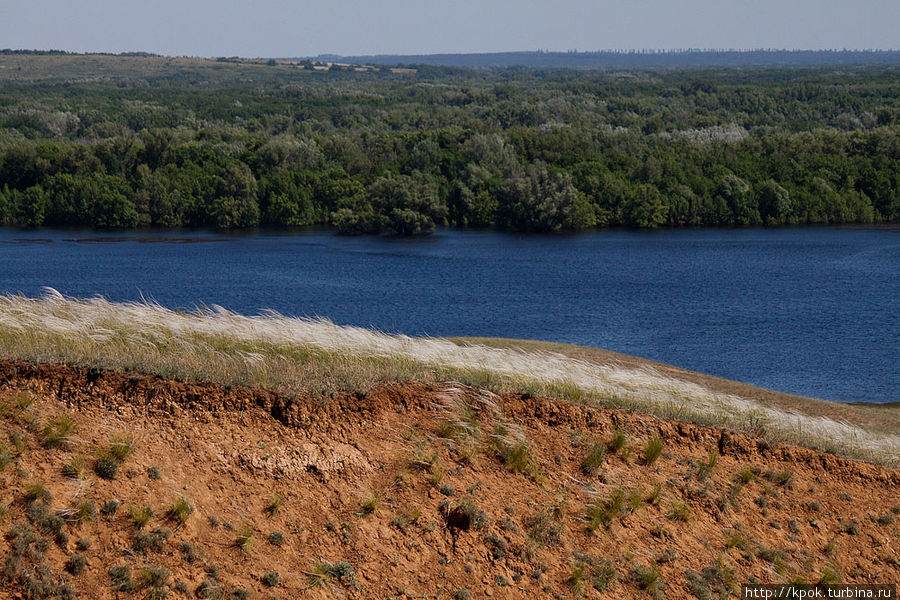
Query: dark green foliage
[276, 538]
[271, 579]
[566, 149]
[106, 466]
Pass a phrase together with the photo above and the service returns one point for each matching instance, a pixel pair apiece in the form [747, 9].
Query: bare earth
[368, 479]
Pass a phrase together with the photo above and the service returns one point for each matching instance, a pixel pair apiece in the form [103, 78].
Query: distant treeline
[518, 150]
[26, 52]
[687, 58]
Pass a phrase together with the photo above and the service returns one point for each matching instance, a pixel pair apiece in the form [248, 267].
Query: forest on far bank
[128, 142]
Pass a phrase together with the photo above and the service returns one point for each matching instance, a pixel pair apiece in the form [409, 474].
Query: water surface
[812, 311]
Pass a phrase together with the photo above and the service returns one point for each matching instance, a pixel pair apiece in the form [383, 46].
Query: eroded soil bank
[422, 490]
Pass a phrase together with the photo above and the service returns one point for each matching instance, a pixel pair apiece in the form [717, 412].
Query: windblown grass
[293, 355]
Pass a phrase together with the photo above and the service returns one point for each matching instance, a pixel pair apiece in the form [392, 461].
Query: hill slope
[408, 490]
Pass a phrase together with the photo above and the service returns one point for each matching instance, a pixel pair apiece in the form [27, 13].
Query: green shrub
[271, 579]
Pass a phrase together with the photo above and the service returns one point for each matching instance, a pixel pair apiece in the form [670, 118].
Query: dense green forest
[126, 142]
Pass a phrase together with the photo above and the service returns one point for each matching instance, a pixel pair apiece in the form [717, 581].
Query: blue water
[813, 311]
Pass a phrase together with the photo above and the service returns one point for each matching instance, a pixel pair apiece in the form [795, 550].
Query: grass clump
[120, 577]
[324, 573]
[121, 446]
[593, 462]
[782, 478]
[74, 468]
[37, 492]
[82, 512]
[647, 579]
[140, 515]
[601, 513]
[512, 448]
[244, 537]
[652, 450]
[76, 564]
[180, 511]
[706, 467]
[271, 579]
[680, 512]
[370, 503]
[618, 442]
[276, 538]
[274, 504]
[57, 433]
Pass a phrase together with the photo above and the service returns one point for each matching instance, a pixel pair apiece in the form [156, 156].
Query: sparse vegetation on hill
[291, 356]
[263, 495]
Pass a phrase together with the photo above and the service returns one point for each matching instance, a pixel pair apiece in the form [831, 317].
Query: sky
[283, 28]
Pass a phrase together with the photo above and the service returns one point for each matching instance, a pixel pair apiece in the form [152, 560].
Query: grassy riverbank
[293, 356]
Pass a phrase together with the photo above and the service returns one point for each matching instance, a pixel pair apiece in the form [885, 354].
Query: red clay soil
[367, 480]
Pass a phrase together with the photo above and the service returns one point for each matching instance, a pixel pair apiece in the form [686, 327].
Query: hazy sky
[310, 27]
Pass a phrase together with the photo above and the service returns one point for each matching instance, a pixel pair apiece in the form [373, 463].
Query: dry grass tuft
[316, 356]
